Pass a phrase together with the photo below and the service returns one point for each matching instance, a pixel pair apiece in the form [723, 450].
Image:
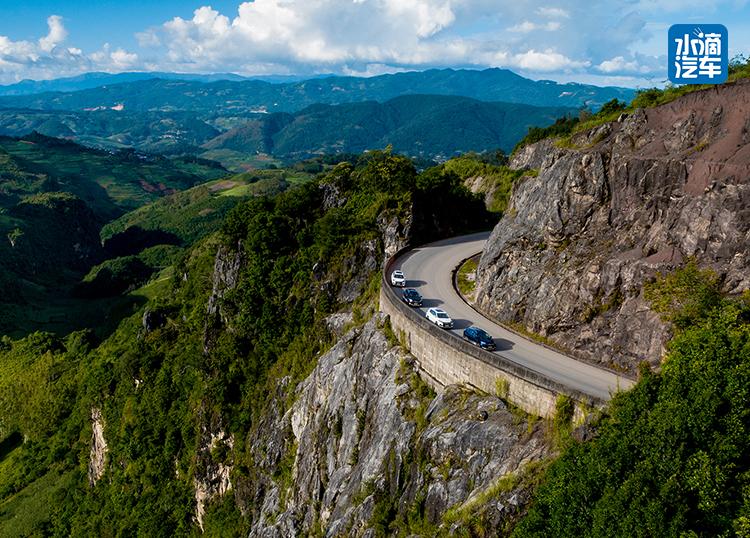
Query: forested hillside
[55, 196]
[178, 390]
[433, 114]
[428, 126]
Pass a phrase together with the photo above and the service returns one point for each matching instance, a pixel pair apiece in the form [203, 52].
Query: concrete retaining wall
[447, 360]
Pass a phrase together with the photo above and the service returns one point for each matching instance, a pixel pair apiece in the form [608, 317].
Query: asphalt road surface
[429, 269]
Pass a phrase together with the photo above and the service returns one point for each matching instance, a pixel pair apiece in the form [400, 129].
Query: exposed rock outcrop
[641, 195]
[363, 433]
[226, 274]
[98, 455]
[214, 467]
[394, 232]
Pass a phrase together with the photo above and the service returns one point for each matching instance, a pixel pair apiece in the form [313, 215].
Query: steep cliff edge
[366, 446]
[627, 200]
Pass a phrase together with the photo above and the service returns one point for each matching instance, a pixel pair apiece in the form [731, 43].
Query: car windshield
[442, 315]
[398, 273]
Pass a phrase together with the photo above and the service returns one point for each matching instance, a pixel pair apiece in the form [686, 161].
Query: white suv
[398, 278]
[440, 318]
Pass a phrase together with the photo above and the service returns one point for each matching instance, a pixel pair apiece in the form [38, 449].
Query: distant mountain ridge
[430, 126]
[97, 79]
[199, 93]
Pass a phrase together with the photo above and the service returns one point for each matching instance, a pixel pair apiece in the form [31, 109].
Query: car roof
[439, 311]
[398, 272]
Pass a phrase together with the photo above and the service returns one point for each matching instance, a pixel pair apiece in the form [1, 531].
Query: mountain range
[167, 92]
[431, 126]
[97, 79]
[419, 125]
[432, 114]
[244, 123]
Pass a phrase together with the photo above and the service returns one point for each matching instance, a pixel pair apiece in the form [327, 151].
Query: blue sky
[618, 42]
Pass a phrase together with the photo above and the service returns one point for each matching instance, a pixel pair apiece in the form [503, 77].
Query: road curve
[429, 269]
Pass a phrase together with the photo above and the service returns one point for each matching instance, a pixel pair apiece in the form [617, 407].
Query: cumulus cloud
[548, 60]
[312, 32]
[48, 57]
[56, 35]
[357, 36]
[637, 64]
[618, 64]
[561, 40]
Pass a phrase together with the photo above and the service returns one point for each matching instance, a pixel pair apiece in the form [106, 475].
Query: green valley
[55, 198]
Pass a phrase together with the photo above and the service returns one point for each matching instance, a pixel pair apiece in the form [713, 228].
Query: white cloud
[322, 32]
[638, 64]
[578, 37]
[56, 35]
[553, 12]
[346, 36]
[123, 59]
[47, 57]
[548, 60]
[528, 26]
[618, 64]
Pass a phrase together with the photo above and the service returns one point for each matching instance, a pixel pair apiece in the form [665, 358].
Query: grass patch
[30, 511]
[460, 513]
[466, 278]
[561, 425]
[466, 519]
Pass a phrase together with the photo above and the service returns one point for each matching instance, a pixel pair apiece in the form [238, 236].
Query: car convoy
[440, 317]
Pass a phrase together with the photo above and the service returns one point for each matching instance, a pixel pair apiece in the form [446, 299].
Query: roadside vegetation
[466, 278]
[492, 175]
[670, 457]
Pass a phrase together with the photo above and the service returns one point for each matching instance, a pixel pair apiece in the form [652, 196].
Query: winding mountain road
[429, 269]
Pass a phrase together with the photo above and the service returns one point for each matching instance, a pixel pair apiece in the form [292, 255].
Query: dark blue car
[480, 338]
[412, 297]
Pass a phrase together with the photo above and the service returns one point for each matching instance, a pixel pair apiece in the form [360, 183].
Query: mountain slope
[419, 125]
[111, 183]
[423, 125]
[614, 207]
[55, 196]
[241, 97]
[153, 132]
[175, 407]
[98, 79]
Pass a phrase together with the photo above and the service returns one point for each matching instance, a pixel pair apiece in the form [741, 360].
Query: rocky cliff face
[362, 446]
[365, 440]
[98, 455]
[225, 276]
[633, 198]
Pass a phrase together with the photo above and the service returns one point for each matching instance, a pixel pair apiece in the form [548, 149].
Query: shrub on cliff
[671, 456]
